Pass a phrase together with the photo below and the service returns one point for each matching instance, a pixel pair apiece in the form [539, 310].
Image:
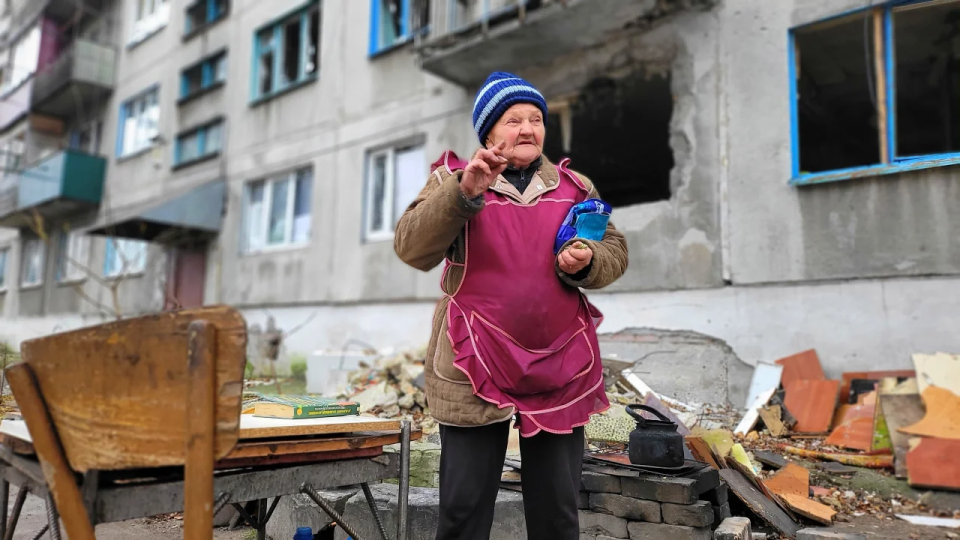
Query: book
[299, 407]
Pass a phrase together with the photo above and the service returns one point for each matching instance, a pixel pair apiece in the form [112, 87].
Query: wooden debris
[856, 429]
[875, 376]
[759, 504]
[934, 463]
[942, 420]
[804, 366]
[900, 411]
[833, 467]
[810, 509]
[820, 491]
[939, 369]
[701, 451]
[765, 376]
[771, 417]
[857, 460]
[740, 456]
[652, 401]
[721, 439]
[771, 459]
[813, 403]
[753, 414]
[792, 479]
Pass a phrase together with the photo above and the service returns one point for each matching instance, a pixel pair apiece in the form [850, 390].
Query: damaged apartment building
[785, 172]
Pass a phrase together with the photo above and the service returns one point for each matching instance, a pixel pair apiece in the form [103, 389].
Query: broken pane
[836, 95]
[266, 73]
[313, 48]
[391, 28]
[927, 45]
[638, 105]
[291, 51]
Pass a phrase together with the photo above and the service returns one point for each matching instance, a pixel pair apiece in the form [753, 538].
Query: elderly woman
[513, 336]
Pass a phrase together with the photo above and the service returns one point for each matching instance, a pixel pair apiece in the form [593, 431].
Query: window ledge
[31, 286]
[204, 27]
[71, 282]
[3, 290]
[277, 249]
[135, 154]
[390, 48]
[200, 93]
[134, 43]
[928, 162]
[378, 238]
[196, 161]
[295, 86]
[129, 275]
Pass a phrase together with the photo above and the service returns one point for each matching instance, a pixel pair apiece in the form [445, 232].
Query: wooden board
[765, 377]
[942, 419]
[701, 451]
[939, 369]
[116, 392]
[770, 459]
[760, 505]
[291, 459]
[16, 436]
[812, 402]
[275, 447]
[792, 479]
[753, 413]
[900, 411]
[933, 463]
[856, 428]
[771, 417]
[808, 508]
[804, 366]
[255, 427]
[848, 377]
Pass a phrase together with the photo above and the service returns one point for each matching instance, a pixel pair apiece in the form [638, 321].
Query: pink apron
[523, 337]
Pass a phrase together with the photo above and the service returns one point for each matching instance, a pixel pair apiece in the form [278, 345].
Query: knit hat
[500, 92]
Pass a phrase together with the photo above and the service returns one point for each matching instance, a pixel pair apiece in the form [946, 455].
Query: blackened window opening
[620, 137]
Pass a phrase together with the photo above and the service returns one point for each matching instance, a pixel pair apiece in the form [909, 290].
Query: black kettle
[655, 443]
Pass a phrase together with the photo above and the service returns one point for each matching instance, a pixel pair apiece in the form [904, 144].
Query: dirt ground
[34, 517]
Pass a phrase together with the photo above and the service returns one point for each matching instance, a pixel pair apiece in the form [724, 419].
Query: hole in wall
[618, 132]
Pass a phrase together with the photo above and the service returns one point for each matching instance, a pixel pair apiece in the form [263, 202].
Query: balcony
[60, 185]
[81, 76]
[60, 11]
[469, 39]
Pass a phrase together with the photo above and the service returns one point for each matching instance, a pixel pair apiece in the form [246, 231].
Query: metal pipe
[42, 532]
[373, 509]
[325, 506]
[17, 508]
[53, 517]
[4, 501]
[403, 491]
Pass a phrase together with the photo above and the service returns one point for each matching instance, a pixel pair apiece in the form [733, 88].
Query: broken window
[203, 12]
[395, 21]
[618, 133]
[877, 88]
[287, 53]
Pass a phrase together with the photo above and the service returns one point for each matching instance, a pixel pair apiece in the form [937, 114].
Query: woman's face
[522, 129]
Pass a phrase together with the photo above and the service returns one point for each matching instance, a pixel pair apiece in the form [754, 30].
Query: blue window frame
[139, 122]
[286, 52]
[202, 13]
[395, 22]
[198, 144]
[210, 72]
[874, 91]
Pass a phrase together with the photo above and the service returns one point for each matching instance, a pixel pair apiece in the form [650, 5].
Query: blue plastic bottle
[303, 533]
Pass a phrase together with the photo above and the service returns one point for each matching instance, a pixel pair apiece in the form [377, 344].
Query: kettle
[655, 443]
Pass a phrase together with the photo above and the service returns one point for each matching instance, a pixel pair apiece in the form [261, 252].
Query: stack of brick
[645, 507]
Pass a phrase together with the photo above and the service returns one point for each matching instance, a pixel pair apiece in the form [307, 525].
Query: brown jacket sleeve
[609, 255]
[432, 222]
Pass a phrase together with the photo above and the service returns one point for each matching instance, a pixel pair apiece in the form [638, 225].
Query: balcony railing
[88, 67]
[449, 19]
[66, 182]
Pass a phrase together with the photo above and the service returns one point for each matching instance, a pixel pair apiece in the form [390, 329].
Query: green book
[300, 407]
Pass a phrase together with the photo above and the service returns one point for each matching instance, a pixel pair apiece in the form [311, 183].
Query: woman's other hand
[483, 170]
[575, 258]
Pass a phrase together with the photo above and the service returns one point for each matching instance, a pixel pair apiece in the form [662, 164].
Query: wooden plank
[802, 366]
[933, 463]
[808, 508]
[60, 479]
[116, 391]
[255, 427]
[813, 403]
[880, 83]
[771, 459]
[942, 419]
[771, 417]
[701, 451]
[848, 378]
[294, 459]
[792, 479]
[753, 413]
[765, 376]
[760, 505]
[900, 411]
[276, 447]
[856, 429]
[939, 369]
[201, 431]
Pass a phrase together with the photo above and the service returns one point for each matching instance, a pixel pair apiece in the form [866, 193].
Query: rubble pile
[392, 388]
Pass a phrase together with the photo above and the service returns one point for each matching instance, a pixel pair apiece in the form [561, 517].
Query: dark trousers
[471, 461]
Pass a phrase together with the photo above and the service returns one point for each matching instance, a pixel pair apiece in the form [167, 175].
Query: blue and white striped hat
[500, 92]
